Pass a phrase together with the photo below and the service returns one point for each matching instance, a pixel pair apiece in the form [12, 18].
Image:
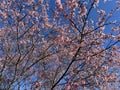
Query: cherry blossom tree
[59, 45]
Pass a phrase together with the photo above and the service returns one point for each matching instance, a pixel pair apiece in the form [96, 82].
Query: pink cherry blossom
[59, 5]
[59, 45]
[83, 11]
